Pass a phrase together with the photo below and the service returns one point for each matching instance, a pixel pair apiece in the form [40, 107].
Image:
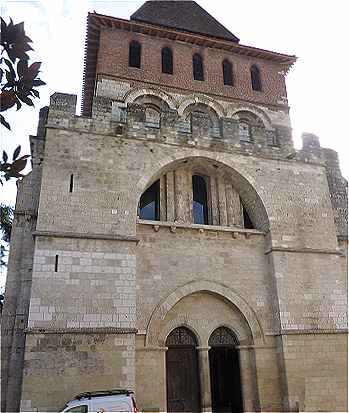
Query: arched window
[167, 60]
[198, 68]
[244, 132]
[149, 204]
[200, 210]
[256, 78]
[134, 57]
[152, 117]
[227, 72]
[248, 224]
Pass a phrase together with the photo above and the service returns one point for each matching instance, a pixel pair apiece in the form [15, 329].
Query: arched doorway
[182, 375]
[225, 372]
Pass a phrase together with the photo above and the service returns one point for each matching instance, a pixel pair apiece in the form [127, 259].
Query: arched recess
[233, 111]
[203, 99]
[134, 94]
[159, 314]
[241, 181]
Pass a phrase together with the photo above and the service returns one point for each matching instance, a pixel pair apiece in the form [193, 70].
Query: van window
[78, 409]
[111, 406]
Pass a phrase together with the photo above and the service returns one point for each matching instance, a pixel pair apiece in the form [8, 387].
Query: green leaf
[4, 123]
[4, 156]
[16, 153]
[38, 82]
[35, 93]
[18, 166]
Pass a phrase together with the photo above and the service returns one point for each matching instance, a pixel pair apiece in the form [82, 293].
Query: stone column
[163, 206]
[170, 201]
[234, 207]
[205, 382]
[222, 203]
[248, 379]
[214, 201]
[163, 395]
[182, 207]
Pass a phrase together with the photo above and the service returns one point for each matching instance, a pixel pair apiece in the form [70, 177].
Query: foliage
[18, 79]
[10, 170]
[6, 219]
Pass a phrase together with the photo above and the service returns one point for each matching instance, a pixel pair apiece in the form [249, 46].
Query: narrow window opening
[256, 79]
[149, 204]
[200, 210]
[245, 132]
[135, 54]
[198, 68]
[71, 184]
[56, 263]
[227, 73]
[167, 61]
[247, 220]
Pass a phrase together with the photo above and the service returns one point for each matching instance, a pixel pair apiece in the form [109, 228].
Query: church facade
[171, 239]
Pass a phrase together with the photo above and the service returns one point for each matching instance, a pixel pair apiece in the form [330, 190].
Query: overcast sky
[314, 30]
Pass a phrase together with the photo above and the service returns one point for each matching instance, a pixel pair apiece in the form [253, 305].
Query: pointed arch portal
[225, 375]
[182, 373]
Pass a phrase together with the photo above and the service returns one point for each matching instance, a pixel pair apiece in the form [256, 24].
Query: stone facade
[94, 291]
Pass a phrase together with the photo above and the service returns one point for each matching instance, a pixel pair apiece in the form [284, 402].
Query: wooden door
[182, 377]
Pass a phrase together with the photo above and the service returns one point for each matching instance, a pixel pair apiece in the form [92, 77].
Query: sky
[316, 31]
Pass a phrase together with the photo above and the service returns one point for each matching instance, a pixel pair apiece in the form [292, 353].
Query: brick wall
[113, 60]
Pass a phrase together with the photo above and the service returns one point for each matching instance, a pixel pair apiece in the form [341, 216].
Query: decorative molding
[85, 330]
[312, 331]
[56, 234]
[303, 250]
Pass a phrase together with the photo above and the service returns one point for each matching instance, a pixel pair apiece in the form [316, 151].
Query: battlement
[246, 131]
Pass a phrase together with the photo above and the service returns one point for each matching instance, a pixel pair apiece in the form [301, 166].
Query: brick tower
[171, 239]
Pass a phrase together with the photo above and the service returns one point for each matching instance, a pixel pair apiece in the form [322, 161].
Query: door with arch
[226, 391]
[182, 375]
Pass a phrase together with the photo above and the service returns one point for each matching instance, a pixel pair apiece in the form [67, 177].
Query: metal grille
[181, 336]
[223, 336]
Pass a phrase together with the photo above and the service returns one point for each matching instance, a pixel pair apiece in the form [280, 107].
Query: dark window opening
[227, 73]
[71, 184]
[256, 79]
[56, 263]
[200, 210]
[134, 59]
[167, 61]
[247, 220]
[149, 204]
[198, 68]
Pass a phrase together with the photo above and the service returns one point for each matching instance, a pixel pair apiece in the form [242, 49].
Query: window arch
[200, 204]
[167, 60]
[181, 336]
[134, 57]
[198, 67]
[227, 72]
[149, 204]
[256, 78]
[223, 336]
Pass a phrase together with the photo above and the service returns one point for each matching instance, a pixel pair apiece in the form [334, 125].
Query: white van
[102, 401]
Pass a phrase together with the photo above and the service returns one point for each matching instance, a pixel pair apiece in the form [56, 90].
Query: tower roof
[182, 15]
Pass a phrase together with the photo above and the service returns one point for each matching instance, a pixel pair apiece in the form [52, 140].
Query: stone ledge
[201, 228]
[92, 330]
[304, 250]
[115, 237]
[312, 331]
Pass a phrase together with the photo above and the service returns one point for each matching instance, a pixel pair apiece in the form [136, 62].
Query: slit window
[134, 59]
[167, 60]
[256, 78]
[198, 67]
[56, 263]
[71, 183]
[227, 73]
[200, 209]
[149, 204]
